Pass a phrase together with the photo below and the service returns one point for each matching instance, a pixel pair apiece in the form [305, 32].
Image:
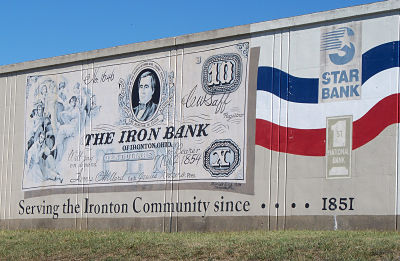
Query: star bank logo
[338, 43]
[340, 60]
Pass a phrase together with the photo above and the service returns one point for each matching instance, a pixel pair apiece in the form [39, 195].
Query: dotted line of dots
[307, 205]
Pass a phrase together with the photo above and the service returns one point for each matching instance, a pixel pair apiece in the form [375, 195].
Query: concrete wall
[287, 124]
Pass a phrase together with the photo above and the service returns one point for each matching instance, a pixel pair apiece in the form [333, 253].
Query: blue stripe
[330, 45]
[331, 42]
[335, 32]
[326, 38]
[305, 90]
[331, 48]
[380, 58]
[332, 37]
[286, 86]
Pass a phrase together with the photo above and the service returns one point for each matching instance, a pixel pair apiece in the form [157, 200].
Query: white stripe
[313, 116]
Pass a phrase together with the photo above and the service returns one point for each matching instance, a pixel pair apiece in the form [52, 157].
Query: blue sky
[45, 28]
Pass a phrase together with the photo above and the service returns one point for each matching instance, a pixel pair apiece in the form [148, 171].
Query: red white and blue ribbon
[290, 119]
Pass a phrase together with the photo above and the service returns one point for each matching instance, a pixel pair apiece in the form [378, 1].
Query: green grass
[253, 245]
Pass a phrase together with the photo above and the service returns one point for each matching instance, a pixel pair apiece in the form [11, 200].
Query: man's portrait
[145, 95]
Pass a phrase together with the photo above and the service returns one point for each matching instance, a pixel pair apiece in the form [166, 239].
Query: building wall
[288, 124]
[295, 117]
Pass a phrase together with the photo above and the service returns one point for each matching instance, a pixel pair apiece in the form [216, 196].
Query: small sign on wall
[338, 146]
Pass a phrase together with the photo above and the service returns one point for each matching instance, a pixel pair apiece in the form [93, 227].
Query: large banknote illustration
[151, 121]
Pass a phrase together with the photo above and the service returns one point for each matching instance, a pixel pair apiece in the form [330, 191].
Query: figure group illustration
[60, 112]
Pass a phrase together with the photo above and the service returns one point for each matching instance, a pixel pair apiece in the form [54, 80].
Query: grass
[252, 245]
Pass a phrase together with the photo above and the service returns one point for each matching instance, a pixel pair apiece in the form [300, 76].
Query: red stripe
[383, 114]
[311, 142]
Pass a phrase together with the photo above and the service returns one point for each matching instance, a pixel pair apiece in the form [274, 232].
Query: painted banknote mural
[287, 124]
[139, 122]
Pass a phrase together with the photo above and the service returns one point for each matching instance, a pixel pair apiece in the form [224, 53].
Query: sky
[36, 29]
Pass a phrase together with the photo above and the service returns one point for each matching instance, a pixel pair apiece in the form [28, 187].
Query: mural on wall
[107, 138]
[371, 112]
[167, 136]
[332, 113]
[138, 122]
